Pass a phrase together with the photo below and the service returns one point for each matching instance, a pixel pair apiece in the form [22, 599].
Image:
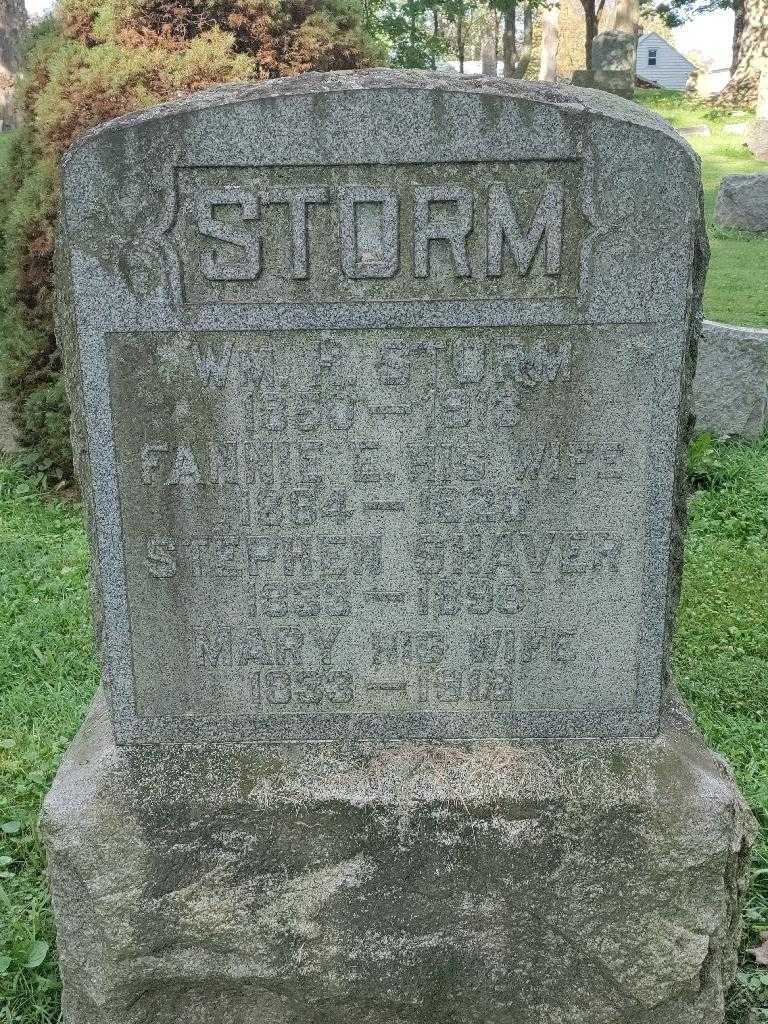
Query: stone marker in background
[742, 202]
[490, 62]
[731, 383]
[613, 64]
[757, 136]
[550, 38]
[381, 389]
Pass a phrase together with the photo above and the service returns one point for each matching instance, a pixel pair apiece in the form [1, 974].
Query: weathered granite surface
[742, 202]
[614, 58]
[730, 388]
[407, 883]
[620, 83]
[381, 383]
[381, 389]
[757, 138]
[614, 51]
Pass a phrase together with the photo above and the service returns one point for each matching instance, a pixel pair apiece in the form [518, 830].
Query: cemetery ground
[736, 290]
[48, 673]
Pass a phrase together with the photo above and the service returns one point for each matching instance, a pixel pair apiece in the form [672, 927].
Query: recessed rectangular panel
[437, 531]
[343, 233]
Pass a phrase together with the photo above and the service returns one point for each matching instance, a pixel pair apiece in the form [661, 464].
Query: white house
[659, 62]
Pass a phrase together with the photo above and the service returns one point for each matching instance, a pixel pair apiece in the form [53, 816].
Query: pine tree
[97, 59]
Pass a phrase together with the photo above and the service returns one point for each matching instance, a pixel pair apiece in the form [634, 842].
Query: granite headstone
[742, 203]
[380, 387]
[379, 445]
[613, 64]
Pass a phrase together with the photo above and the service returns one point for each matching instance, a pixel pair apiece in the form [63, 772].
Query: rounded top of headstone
[318, 88]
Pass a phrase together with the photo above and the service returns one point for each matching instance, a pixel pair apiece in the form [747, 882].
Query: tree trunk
[460, 42]
[527, 47]
[13, 21]
[738, 31]
[550, 18]
[435, 33]
[590, 18]
[412, 36]
[509, 41]
[626, 16]
[752, 56]
[488, 53]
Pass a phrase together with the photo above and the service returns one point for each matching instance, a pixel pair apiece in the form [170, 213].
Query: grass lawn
[47, 674]
[737, 282]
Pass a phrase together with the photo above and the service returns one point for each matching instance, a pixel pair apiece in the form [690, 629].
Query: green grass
[721, 651]
[47, 675]
[737, 282]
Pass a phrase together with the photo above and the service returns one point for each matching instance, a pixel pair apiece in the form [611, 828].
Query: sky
[36, 7]
[708, 34]
[711, 35]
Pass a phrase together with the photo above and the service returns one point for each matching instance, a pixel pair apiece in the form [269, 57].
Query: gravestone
[757, 135]
[614, 57]
[742, 203]
[380, 384]
[731, 384]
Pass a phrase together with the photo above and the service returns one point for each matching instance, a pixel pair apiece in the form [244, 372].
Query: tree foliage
[97, 59]
[413, 33]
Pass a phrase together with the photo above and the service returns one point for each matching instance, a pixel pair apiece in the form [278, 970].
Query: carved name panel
[380, 441]
[416, 231]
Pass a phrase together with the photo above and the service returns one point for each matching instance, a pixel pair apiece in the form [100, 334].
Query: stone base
[621, 83]
[448, 883]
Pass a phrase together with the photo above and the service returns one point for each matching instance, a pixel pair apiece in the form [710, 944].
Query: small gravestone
[731, 383]
[380, 386]
[613, 64]
[741, 203]
[757, 135]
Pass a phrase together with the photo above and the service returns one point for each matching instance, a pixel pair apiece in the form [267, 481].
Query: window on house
[652, 58]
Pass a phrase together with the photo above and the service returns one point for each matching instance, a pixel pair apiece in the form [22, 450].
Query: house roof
[660, 39]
